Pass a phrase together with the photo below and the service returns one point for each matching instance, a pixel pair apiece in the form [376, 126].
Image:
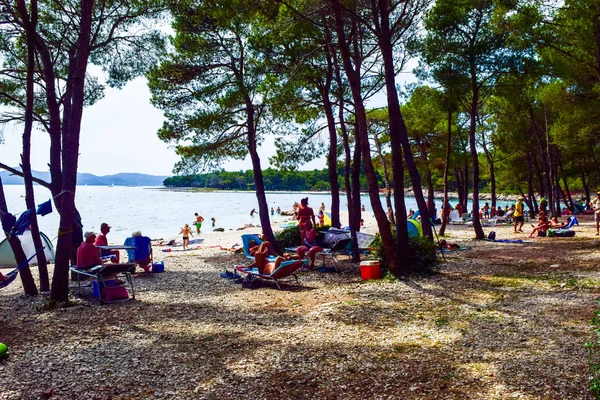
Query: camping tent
[7, 257]
[414, 228]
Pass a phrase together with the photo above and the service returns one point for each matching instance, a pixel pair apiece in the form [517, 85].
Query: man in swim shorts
[199, 221]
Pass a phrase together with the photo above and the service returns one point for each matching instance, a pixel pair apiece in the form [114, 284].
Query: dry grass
[500, 321]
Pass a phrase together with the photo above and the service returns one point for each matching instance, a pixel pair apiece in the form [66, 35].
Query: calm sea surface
[161, 213]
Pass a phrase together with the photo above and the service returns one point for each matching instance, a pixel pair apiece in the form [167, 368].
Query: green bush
[290, 237]
[422, 258]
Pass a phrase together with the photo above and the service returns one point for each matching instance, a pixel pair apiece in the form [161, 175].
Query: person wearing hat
[519, 215]
[101, 240]
[87, 254]
[595, 204]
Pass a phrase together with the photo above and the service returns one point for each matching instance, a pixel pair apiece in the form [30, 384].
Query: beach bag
[550, 233]
[541, 234]
[492, 235]
[113, 293]
[564, 233]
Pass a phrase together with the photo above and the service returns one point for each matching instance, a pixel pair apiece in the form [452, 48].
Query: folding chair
[142, 252]
[341, 247]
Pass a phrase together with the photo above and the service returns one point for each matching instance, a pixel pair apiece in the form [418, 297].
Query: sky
[118, 134]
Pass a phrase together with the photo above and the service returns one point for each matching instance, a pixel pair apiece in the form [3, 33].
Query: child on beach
[186, 232]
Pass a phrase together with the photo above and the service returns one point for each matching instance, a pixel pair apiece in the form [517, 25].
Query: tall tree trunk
[349, 168]
[530, 190]
[332, 159]
[333, 139]
[386, 175]
[259, 184]
[429, 180]
[568, 198]
[475, 156]
[15, 244]
[459, 187]
[71, 128]
[490, 161]
[361, 120]
[586, 188]
[30, 23]
[446, 169]
[399, 135]
[543, 152]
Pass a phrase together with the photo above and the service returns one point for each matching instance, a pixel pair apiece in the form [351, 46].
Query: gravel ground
[500, 321]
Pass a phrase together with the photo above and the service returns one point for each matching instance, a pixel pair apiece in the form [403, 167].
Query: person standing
[102, 240]
[186, 231]
[305, 214]
[596, 206]
[519, 215]
[199, 221]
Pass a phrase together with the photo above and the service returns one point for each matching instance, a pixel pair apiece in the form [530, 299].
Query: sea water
[160, 213]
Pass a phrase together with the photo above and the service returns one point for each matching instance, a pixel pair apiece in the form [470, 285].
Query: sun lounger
[246, 239]
[455, 219]
[285, 269]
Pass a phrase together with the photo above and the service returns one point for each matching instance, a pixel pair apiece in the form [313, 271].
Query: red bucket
[370, 270]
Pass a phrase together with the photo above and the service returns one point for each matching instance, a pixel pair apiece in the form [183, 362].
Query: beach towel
[507, 240]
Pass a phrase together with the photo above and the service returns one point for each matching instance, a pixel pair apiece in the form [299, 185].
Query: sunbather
[555, 224]
[261, 260]
[444, 245]
[542, 225]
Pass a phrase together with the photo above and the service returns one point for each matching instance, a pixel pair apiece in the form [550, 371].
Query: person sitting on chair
[309, 245]
[101, 240]
[87, 254]
[143, 263]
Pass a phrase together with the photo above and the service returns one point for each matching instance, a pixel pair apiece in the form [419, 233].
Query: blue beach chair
[246, 239]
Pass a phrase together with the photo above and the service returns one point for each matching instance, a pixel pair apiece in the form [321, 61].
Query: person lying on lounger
[253, 247]
[557, 225]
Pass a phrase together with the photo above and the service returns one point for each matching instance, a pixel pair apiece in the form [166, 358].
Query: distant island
[120, 179]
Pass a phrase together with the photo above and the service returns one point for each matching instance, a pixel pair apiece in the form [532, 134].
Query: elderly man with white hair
[88, 255]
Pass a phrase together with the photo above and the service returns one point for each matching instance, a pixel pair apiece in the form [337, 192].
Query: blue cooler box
[158, 267]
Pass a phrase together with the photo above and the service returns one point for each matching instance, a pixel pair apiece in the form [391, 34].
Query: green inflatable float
[3, 350]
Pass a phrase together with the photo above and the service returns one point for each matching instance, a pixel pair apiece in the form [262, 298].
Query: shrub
[288, 237]
[422, 258]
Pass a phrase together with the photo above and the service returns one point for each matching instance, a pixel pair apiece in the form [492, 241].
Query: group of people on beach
[186, 231]
[308, 235]
[90, 255]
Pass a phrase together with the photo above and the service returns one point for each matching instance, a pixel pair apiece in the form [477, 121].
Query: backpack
[492, 235]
